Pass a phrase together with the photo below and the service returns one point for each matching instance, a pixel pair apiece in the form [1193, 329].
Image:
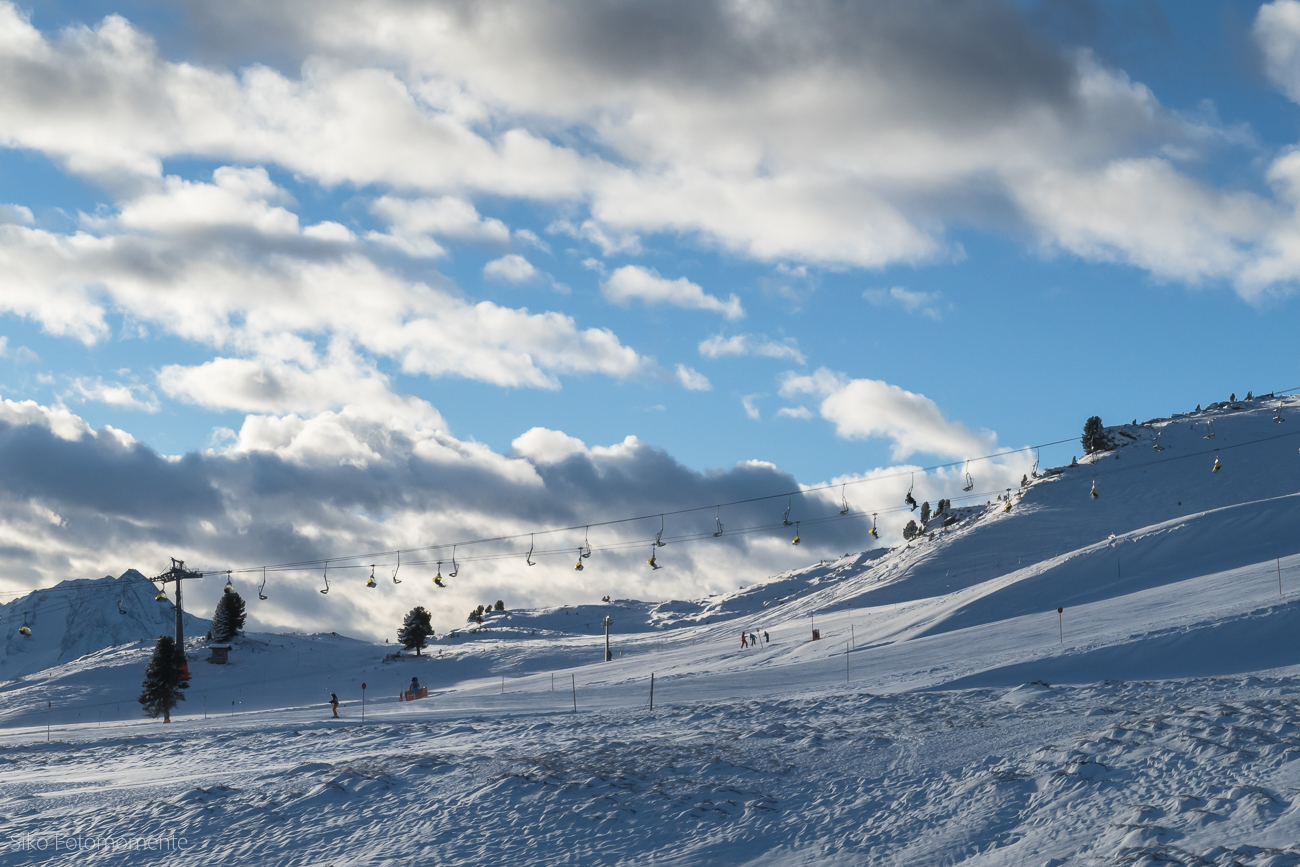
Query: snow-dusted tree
[164, 678]
[1094, 436]
[911, 531]
[925, 513]
[417, 626]
[500, 606]
[229, 617]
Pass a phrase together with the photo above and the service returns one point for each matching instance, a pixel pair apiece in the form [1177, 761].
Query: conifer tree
[229, 617]
[925, 513]
[1094, 436]
[164, 678]
[911, 531]
[417, 626]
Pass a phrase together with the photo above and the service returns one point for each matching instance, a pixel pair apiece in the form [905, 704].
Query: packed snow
[947, 715]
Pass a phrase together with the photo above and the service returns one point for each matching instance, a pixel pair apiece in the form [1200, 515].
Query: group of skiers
[749, 639]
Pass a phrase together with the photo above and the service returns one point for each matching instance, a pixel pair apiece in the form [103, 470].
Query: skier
[334, 703]
[766, 640]
[415, 686]
[753, 639]
[743, 642]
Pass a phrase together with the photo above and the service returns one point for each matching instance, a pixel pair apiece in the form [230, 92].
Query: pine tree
[164, 678]
[925, 513]
[500, 606]
[1094, 436]
[417, 626]
[229, 617]
[911, 531]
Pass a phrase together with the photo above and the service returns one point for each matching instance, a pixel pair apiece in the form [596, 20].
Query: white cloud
[794, 412]
[544, 446]
[925, 303]
[692, 380]
[512, 268]
[718, 346]
[632, 282]
[751, 408]
[413, 224]
[864, 408]
[115, 394]
[1277, 30]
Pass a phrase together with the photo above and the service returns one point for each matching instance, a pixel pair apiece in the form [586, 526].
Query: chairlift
[578, 566]
[455, 567]
[785, 519]
[718, 519]
[326, 576]
[260, 594]
[1277, 414]
[653, 565]
[796, 539]
[1156, 445]
[529, 557]
[1217, 466]
[845, 500]
[372, 583]
[230, 587]
[161, 597]
[585, 554]
[1007, 507]
[437, 578]
[1038, 455]
[659, 539]
[872, 531]
[397, 580]
[1094, 494]
[1210, 435]
[25, 629]
[970, 483]
[120, 609]
[908, 498]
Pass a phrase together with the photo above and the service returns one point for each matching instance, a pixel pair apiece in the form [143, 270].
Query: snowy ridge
[948, 715]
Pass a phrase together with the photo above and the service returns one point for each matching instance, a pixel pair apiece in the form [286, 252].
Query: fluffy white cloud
[863, 408]
[511, 267]
[632, 282]
[414, 223]
[751, 408]
[801, 412]
[718, 346]
[692, 380]
[128, 396]
[1277, 30]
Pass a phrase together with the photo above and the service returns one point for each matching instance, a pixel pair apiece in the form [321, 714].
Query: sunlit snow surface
[948, 716]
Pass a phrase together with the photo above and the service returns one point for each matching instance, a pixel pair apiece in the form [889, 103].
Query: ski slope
[948, 715]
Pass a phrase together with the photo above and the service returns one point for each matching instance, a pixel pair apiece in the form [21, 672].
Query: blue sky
[391, 240]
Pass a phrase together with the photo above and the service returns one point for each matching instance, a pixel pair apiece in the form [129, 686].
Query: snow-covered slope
[921, 729]
[82, 616]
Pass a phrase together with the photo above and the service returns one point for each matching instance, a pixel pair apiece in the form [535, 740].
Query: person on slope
[415, 686]
[753, 639]
[766, 640]
[743, 642]
[334, 703]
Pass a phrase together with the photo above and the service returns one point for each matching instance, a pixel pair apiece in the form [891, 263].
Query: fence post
[573, 682]
[652, 690]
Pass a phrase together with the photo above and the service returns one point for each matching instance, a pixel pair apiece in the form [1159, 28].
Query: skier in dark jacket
[334, 703]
